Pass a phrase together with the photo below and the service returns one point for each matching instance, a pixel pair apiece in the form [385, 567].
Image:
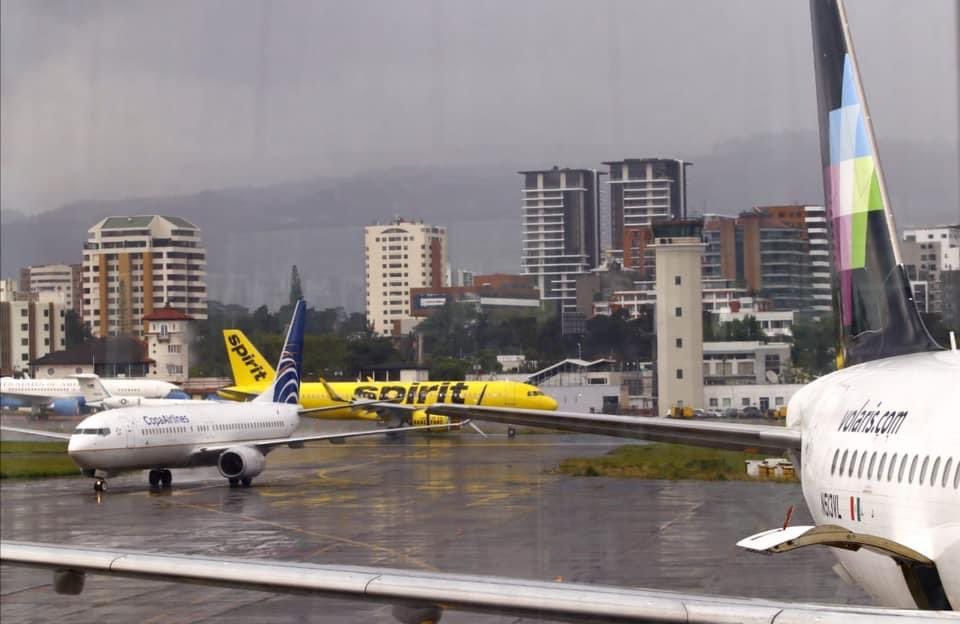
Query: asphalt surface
[450, 503]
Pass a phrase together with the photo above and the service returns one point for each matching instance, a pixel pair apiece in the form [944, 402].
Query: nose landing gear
[100, 485]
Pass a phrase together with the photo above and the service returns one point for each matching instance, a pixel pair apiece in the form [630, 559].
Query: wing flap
[269, 443]
[730, 436]
[571, 602]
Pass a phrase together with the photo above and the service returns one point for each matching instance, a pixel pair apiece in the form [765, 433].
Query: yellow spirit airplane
[403, 402]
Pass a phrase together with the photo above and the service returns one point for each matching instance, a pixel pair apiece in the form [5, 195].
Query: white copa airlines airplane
[234, 437]
[63, 395]
[877, 442]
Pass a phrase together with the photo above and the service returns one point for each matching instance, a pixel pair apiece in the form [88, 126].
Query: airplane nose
[550, 403]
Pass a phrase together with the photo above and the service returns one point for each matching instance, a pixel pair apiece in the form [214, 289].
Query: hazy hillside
[254, 235]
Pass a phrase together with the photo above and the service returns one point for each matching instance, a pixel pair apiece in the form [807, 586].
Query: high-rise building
[561, 230]
[930, 255]
[61, 279]
[132, 265]
[821, 259]
[398, 256]
[766, 251]
[644, 191]
[679, 314]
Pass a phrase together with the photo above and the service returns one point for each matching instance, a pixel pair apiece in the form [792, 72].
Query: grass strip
[665, 461]
[22, 460]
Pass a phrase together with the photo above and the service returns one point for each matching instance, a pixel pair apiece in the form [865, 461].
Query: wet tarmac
[457, 503]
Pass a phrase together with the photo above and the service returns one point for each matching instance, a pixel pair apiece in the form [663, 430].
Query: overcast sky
[113, 99]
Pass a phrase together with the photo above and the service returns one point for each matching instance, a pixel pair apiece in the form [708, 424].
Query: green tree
[75, 330]
[453, 369]
[296, 289]
[814, 347]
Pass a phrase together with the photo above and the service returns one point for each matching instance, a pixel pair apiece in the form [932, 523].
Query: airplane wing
[422, 595]
[267, 444]
[730, 436]
[306, 411]
[37, 432]
[34, 399]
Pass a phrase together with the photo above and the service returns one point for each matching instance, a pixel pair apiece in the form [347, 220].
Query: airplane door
[128, 433]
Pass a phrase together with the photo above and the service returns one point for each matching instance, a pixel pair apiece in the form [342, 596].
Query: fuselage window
[893, 463]
[833, 466]
[935, 472]
[923, 469]
[843, 462]
[853, 461]
[913, 469]
[956, 477]
[873, 460]
[883, 461]
[903, 468]
[946, 472]
[863, 459]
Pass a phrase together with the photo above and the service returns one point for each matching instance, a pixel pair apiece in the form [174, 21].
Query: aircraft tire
[246, 482]
[234, 482]
[154, 478]
[511, 432]
[99, 485]
[166, 478]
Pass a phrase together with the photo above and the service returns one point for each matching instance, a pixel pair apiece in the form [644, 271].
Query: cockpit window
[103, 431]
[534, 393]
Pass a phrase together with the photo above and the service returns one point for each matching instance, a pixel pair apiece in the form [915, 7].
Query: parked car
[751, 411]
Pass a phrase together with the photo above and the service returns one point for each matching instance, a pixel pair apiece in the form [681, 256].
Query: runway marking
[683, 516]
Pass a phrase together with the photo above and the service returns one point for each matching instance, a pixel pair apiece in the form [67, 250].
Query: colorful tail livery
[286, 385]
[876, 314]
[248, 365]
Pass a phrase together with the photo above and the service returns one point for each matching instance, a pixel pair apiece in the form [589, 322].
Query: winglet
[286, 384]
[92, 388]
[877, 317]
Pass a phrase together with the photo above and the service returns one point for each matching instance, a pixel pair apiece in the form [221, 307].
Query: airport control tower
[679, 246]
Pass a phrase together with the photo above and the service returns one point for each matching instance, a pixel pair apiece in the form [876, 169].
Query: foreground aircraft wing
[38, 432]
[306, 411]
[270, 443]
[731, 436]
[420, 596]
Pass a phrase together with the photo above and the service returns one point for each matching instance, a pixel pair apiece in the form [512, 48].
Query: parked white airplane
[234, 437]
[96, 395]
[877, 443]
[62, 395]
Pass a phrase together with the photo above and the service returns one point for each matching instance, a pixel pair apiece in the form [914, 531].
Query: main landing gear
[236, 481]
[160, 478]
[100, 485]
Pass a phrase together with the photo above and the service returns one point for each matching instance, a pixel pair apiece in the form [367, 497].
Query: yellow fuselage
[420, 394]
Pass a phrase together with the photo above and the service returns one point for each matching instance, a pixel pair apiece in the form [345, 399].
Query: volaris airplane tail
[248, 366]
[876, 314]
[286, 384]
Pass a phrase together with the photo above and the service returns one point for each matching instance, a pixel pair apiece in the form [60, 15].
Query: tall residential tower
[132, 265]
[561, 230]
[398, 256]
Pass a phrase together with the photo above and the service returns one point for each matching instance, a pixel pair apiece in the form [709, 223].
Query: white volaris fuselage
[135, 438]
[881, 456]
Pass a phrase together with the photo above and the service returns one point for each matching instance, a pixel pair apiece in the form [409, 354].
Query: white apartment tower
[132, 265]
[398, 256]
[679, 248]
[561, 230]
[62, 280]
[821, 262]
[31, 326]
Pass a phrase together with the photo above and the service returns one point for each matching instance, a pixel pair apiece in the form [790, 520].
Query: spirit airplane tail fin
[248, 366]
[876, 315]
[286, 384]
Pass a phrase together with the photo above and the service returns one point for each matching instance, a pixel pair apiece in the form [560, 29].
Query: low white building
[762, 396]
[744, 362]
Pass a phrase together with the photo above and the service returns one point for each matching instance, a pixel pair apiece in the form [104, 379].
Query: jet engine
[241, 462]
[177, 394]
[115, 402]
[66, 407]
